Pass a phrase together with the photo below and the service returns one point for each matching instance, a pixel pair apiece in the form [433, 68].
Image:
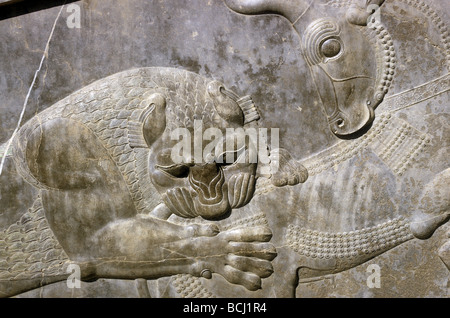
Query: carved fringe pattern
[188, 286]
[249, 109]
[135, 128]
[392, 139]
[439, 23]
[256, 219]
[263, 186]
[418, 94]
[339, 3]
[29, 250]
[368, 241]
[250, 221]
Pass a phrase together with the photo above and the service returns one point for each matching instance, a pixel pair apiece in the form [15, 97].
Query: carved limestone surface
[106, 186]
[231, 148]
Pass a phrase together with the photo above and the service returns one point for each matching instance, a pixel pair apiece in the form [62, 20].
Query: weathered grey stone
[359, 183]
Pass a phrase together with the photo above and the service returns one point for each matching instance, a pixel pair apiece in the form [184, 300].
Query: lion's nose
[207, 180]
[210, 190]
[204, 173]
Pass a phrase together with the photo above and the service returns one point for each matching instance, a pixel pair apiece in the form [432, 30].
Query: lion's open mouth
[210, 196]
[206, 197]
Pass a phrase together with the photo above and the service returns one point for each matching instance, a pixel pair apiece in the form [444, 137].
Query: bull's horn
[360, 11]
[290, 9]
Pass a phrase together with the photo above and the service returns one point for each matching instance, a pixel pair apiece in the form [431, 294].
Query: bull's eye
[330, 48]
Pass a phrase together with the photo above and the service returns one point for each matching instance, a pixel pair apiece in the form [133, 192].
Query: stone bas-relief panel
[349, 198]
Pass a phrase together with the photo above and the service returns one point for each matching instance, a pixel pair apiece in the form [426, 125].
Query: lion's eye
[177, 171]
[330, 48]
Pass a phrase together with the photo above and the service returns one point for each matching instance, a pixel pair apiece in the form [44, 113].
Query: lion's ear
[149, 124]
[225, 103]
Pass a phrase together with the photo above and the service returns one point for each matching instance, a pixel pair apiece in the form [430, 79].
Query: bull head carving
[350, 54]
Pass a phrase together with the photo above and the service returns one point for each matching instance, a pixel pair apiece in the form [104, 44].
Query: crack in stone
[44, 55]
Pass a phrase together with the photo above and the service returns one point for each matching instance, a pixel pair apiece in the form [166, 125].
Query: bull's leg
[434, 206]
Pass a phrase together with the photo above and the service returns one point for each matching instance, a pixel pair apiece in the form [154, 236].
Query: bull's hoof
[424, 228]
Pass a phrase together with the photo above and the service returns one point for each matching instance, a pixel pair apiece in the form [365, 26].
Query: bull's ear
[291, 9]
[360, 11]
